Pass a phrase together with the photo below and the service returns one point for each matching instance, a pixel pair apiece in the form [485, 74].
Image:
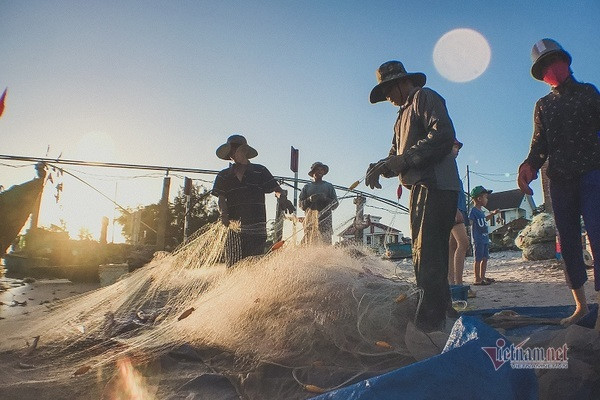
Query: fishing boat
[395, 251]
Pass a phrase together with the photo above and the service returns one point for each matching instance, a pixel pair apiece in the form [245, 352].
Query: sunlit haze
[165, 83]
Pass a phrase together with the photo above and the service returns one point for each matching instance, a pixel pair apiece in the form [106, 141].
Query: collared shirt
[424, 135]
[246, 198]
[566, 129]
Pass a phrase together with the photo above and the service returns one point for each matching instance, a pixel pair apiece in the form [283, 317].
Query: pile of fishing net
[295, 322]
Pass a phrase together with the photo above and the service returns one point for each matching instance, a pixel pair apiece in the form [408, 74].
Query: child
[479, 232]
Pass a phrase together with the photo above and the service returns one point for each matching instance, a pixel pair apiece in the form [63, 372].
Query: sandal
[482, 283]
[489, 280]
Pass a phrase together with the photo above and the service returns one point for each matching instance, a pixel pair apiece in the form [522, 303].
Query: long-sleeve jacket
[423, 137]
[329, 198]
[566, 131]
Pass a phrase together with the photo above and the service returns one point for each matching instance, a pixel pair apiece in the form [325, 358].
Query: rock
[539, 251]
[541, 229]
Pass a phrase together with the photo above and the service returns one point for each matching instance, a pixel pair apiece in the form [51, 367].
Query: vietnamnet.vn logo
[521, 357]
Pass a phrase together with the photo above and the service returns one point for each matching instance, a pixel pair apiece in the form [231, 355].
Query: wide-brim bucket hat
[317, 165]
[541, 51]
[391, 71]
[224, 150]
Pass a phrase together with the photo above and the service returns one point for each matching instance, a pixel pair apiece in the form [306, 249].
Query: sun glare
[96, 146]
[461, 55]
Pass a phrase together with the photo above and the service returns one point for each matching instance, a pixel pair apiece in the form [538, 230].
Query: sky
[166, 82]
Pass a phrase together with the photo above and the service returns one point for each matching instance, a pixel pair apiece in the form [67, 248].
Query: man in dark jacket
[566, 133]
[421, 156]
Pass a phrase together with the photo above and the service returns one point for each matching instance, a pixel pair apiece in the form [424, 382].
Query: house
[506, 234]
[374, 235]
[512, 205]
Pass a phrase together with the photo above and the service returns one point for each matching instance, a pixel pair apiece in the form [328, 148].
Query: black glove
[396, 165]
[286, 206]
[373, 173]
[318, 201]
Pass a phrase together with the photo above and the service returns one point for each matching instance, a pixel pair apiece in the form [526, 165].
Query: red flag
[2, 101]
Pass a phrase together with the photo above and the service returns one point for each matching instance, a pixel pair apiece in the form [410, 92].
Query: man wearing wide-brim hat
[421, 157]
[241, 191]
[318, 199]
[566, 133]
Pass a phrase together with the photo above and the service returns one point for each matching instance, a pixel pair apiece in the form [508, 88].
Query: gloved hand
[225, 219]
[318, 201]
[317, 198]
[396, 164]
[285, 205]
[373, 173]
[526, 175]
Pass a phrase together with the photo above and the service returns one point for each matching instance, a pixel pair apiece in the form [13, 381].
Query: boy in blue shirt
[479, 232]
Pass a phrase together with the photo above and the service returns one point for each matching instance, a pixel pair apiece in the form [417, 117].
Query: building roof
[505, 200]
[351, 229]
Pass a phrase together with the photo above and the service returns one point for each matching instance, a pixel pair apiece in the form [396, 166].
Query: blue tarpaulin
[462, 371]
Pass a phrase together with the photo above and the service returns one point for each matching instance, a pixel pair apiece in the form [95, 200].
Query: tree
[84, 234]
[149, 222]
[203, 210]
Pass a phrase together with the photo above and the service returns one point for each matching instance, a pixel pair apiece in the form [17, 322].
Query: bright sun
[79, 206]
[461, 55]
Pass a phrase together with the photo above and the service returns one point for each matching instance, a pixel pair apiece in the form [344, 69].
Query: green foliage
[84, 234]
[203, 210]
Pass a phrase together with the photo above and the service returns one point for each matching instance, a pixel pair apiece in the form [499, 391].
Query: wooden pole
[162, 214]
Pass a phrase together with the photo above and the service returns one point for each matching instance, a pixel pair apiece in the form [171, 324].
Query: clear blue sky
[169, 81]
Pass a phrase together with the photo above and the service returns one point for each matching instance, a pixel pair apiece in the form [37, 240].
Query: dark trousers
[239, 245]
[432, 214]
[570, 201]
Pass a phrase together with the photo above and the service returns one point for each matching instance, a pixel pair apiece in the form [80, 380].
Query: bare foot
[577, 315]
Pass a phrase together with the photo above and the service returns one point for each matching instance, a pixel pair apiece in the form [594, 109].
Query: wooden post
[187, 191]
[104, 230]
[359, 223]
[162, 214]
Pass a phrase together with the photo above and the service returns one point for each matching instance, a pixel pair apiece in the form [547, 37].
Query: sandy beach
[183, 372]
[519, 283]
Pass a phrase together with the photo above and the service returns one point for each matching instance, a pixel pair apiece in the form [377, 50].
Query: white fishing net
[292, 323]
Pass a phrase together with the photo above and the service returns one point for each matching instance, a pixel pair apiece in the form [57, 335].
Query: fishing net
[295, 322]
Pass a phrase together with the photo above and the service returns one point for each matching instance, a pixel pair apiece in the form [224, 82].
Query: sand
[21, 296]
[519, 283]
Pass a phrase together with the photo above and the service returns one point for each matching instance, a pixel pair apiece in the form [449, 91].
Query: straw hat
[391, 71]
[317, 165]
[233, 141]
